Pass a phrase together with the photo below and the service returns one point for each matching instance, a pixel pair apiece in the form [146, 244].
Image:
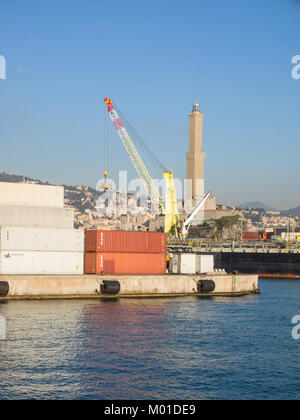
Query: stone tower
[195, 158]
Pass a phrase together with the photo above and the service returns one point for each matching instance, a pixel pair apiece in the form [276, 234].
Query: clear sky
[154, 59]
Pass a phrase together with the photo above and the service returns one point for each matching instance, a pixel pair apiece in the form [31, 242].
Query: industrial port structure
[168, 206]
[43, 257]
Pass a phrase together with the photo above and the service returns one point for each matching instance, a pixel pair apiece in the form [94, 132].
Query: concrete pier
[89, 286]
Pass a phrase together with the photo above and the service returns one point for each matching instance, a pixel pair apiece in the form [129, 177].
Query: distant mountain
[292, 212]
[255, 205]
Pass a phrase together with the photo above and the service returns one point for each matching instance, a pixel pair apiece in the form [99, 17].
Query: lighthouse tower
[195, 157]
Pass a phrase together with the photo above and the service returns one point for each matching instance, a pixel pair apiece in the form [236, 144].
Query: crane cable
[142, 143]
[105, 140]
[106, 147]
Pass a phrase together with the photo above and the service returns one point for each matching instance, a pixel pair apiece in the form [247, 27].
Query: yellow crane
[167, 207]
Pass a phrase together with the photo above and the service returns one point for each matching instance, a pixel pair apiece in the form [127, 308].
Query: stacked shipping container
[37, 262]
[37, 234]
[118, 252]
[40, 217]
[41, 239]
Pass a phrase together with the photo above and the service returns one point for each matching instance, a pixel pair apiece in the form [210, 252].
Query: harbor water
[180, 348]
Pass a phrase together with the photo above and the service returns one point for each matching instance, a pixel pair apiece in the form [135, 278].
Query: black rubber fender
[206, 286]
[4, 288]
[110, 287]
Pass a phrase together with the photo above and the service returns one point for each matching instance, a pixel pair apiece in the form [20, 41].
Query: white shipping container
[13, 194]
[41, 239]
[35, 263]
[188, 263]
[41, 217]
[205, 263]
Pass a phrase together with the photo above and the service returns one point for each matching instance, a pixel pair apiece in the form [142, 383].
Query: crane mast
[190, 218]
[170, 208]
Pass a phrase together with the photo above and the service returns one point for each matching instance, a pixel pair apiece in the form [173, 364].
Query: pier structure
[92, 287]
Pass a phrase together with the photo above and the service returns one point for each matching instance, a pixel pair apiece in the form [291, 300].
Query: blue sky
[154, 59]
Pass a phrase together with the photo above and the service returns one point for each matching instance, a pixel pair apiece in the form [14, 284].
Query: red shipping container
[121, 241]
[124, 263]
[251, 236]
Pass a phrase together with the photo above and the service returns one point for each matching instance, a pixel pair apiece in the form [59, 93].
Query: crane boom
[139, 165]
[169, 207]
[187, 223]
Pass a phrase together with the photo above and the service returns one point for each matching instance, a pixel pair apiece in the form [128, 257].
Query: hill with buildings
[6, 177]
[292, 212]
[85, 202]
[257, 205]
[89, 213]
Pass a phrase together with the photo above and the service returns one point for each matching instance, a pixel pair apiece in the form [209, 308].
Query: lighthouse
[195, 157]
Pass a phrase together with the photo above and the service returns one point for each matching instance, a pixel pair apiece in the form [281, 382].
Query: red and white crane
[169, 206]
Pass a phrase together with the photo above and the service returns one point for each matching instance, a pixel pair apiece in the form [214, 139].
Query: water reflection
[153, 348]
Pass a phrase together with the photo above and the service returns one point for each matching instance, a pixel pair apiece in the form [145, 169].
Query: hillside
[5, 177]
[292, 212]
[83, 200]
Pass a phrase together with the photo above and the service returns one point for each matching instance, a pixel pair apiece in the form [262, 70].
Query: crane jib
[118, 124]
[169, 208]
